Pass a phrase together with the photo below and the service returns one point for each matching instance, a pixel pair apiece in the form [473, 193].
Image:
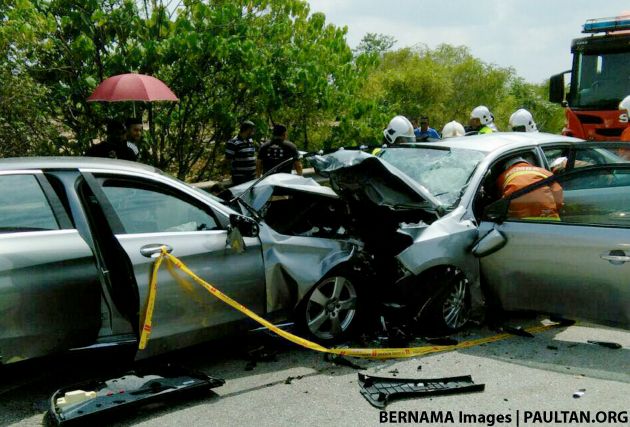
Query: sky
[532, 36]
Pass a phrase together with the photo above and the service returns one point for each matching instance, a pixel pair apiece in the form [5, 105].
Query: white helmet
[452, 129]
[483, 114]
[522, 121]
[399, 127]
[625, 104]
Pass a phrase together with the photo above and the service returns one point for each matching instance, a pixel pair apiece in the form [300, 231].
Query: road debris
[341, 361]
[579, 393]
[552, 347]
[517, 330]
[93, 400]
[607, 344]
[380, 391]
[290, 379]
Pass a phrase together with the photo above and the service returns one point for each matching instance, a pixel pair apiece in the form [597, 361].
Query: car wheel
[330, 311]
[449, 309]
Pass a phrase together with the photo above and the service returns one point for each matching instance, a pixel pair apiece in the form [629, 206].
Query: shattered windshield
[444, 172]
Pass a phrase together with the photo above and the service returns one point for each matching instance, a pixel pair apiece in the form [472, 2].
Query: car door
[150, 214]
[50, 294]
[576, 266]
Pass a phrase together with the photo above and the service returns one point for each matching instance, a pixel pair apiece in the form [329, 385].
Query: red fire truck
[600, 79]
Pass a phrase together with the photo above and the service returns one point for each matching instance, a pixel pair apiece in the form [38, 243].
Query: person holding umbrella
[115, 144]
[134, 132]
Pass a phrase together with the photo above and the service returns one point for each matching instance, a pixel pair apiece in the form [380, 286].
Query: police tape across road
[368, 353]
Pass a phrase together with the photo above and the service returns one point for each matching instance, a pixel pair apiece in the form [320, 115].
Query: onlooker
[543, 203]
[452, 129]
[240, 152]
[424, 132]
[134, 133]
[481, 120]
[114, 146]
[522, 121]
[276, 151]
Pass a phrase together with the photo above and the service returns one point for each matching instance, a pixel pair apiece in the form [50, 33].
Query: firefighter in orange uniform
[544, 203]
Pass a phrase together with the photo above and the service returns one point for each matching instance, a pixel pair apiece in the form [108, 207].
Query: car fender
[293, 264]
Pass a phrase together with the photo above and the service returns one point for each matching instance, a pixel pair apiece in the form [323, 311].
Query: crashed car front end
[305, 234]
[421, 246]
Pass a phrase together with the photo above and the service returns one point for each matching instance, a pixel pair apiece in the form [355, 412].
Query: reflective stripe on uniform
[511, 176]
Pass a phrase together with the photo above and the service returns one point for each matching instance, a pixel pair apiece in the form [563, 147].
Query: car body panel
[558, 269]
[185, 313]
[50, 295]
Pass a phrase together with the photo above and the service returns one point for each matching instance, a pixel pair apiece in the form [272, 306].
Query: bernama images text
[525, 417]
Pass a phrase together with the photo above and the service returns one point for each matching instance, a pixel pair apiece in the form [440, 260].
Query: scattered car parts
[380, 391]
[92, 400]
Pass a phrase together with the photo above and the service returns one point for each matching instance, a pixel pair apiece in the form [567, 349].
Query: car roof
[70, 162]
[491, 142]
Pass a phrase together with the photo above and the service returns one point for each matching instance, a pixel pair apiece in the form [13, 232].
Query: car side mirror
[497, 211]
[247, 226]
[489, 244]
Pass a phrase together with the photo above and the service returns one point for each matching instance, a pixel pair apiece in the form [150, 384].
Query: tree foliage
[270, 61]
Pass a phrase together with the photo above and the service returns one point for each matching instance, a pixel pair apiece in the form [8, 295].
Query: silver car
[77, 237]
[433, 217]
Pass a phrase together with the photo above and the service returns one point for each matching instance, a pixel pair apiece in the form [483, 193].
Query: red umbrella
[132, 87]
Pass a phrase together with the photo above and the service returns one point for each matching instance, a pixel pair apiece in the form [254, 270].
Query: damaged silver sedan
[77, 241]
[433, 219]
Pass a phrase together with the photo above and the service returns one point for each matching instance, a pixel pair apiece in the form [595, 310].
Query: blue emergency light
[601, 25]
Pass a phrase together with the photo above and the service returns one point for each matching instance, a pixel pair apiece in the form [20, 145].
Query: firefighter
[482, 120]
[398, 130]
[544, 203]
[522, 121]
[452, 129]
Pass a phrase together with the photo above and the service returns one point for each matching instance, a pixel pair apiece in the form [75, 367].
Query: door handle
[152, 250]
[615, 258]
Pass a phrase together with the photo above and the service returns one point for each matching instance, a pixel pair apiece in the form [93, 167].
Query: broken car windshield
[445, 173]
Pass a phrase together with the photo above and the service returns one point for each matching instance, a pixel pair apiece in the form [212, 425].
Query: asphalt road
[522, 377]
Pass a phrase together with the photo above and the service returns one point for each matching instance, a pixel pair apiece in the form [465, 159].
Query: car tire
[332, 310]
[448, 309]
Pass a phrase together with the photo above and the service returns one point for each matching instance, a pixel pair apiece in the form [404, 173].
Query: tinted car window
[594, 197]
[147, 210]
[23, 205]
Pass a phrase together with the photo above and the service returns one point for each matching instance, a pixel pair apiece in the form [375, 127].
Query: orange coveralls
[542, 203]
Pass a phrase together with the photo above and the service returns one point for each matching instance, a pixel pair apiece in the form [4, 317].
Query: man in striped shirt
[241, 153]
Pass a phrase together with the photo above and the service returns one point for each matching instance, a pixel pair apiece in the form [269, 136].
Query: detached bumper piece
[91, 401]
[380, 391]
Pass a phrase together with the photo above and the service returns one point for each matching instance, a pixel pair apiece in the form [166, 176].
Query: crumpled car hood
[357, 174]
[262, 192]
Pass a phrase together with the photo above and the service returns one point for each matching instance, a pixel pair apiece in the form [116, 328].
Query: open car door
[576, 266]
[146, 214]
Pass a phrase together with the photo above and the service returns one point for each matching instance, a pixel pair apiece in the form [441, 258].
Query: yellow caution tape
[369, 353]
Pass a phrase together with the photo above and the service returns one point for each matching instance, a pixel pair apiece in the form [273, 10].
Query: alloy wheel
[331, 307]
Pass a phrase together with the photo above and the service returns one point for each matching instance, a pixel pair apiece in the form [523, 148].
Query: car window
[23, 205]
[150, 210]
[599, 196]
[559, 158]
